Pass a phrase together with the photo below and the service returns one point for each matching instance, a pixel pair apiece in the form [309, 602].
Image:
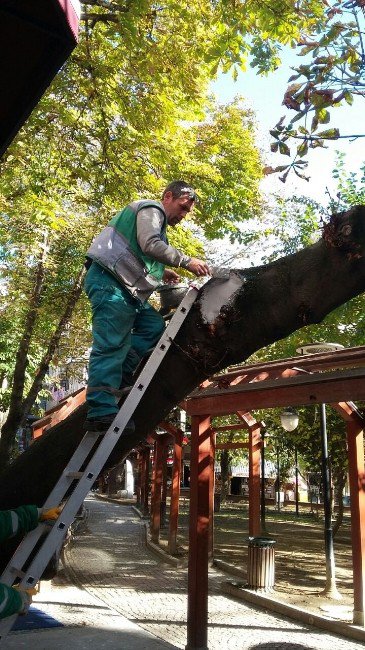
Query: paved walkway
[124, 597]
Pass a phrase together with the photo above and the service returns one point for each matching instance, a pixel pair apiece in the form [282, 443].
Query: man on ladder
[126, 263]
[122, 299]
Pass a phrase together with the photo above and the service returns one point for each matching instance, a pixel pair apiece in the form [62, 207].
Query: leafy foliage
[127, 113]
[333, 75]
[296, 224]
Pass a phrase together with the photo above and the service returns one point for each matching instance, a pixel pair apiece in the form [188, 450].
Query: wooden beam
[338, 386]
[349, 412]
[230, 427]
[170, 428]
[351, 357]
[232, 445]
[58, 412]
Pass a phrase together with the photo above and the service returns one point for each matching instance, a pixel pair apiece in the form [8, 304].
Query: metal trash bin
[261, 563]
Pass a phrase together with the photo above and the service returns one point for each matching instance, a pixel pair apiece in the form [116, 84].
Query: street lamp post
[330, 588]
[296, 482]
[278, 474]
[289, 421]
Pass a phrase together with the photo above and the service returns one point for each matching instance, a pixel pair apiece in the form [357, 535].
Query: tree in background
[329, 74]
[125, 114]
[114, 127]
[295, 225]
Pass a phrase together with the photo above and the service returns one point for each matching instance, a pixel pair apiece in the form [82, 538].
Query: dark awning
[36, 37]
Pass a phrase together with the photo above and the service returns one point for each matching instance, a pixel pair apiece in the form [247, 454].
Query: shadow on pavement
[280, 646]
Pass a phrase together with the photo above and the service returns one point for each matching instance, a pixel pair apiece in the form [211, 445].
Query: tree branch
[262, 305]
[100, 18]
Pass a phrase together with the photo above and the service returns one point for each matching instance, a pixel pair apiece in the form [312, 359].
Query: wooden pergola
[335, 378]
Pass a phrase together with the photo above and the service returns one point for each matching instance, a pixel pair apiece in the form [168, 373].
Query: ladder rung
[17, 572]
[74, 474]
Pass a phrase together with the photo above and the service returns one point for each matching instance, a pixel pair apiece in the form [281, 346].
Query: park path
[110, 560]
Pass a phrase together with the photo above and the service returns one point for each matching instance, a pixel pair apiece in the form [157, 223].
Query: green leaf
[315, 123]
[298, 117]
[323, 116]
[284, 149]
[302, 149]
[294, 77]
[329, 134]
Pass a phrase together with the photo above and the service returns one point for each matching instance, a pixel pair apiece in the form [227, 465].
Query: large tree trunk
[230, 320]
[21, 406]
[16, 412]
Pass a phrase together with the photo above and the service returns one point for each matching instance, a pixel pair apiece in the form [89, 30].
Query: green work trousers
[123, 330]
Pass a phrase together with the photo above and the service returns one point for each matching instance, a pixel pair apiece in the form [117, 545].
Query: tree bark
[14, 416]
[229, 321]
[225, 462]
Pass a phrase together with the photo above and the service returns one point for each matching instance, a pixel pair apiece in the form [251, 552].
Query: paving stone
[111, 562]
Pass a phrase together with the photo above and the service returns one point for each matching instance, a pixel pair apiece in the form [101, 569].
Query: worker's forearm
[149, 226]
[19, 520]
[10, 601]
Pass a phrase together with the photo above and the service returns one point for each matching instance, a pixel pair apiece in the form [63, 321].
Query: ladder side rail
[6, 624]
[78, 457]
[107, 445]
[14, 568]
[21, 554]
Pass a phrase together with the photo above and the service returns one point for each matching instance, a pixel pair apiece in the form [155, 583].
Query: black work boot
[103, 422]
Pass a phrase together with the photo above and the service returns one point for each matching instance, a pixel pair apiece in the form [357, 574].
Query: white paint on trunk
[216, 295]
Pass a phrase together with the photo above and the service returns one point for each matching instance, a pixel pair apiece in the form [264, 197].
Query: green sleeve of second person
[19, 520]
[10, 601]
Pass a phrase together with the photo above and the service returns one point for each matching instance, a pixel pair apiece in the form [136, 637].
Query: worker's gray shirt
[149, 227]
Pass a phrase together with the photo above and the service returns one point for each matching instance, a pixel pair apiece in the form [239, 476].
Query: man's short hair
[180, 188]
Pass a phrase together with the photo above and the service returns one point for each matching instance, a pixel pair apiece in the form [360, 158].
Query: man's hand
[170, 277]
[26, 597]
[198, 267]
[53, 513]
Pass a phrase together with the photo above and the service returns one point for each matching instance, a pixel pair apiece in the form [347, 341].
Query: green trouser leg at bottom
[115, 347]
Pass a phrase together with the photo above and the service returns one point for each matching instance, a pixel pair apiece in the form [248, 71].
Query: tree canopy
[128, 112]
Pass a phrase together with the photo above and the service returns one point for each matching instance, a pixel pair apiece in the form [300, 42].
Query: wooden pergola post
[200, 480]
[254, 525]
[165, 453]
[211, 494]
[355, 438]
[145, 480]
[254, 463]
[175, 492]
[156, 490]
[138, 485]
